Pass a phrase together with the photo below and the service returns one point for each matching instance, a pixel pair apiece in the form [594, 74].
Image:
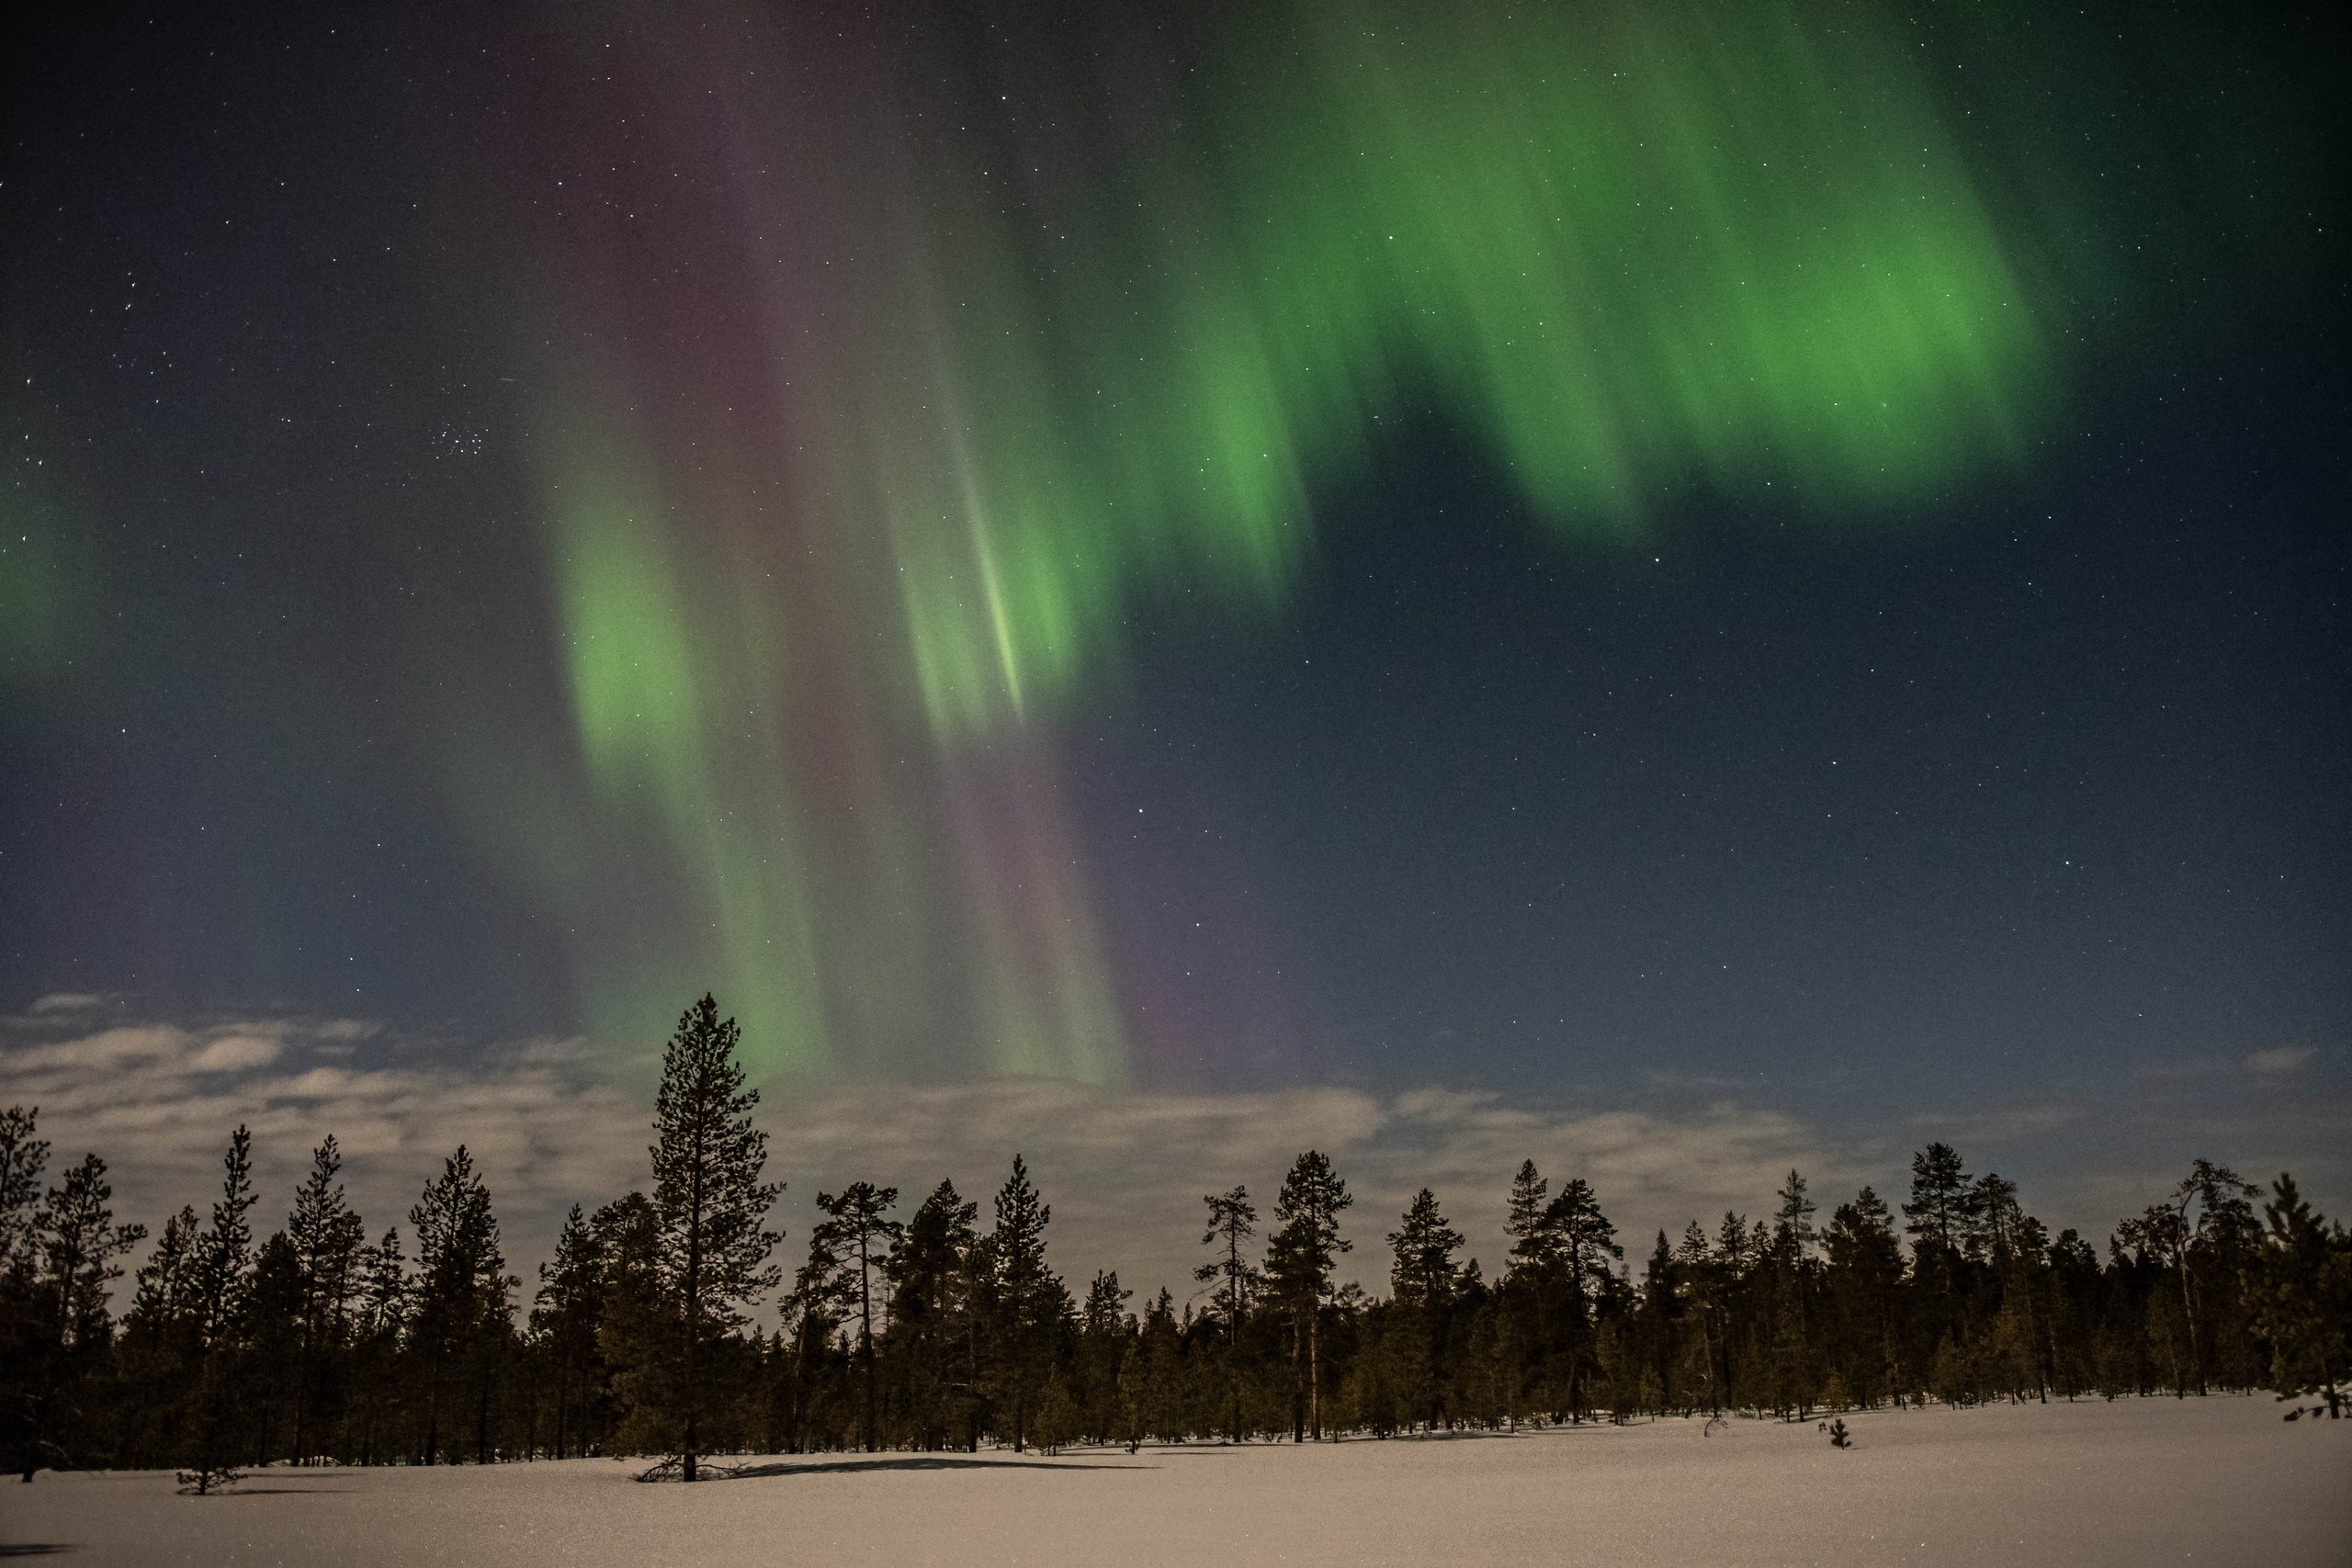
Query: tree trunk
[1298, 1385]
[433, 1410]
[301, 1402]
[2188, 1309]
[1315, 1370]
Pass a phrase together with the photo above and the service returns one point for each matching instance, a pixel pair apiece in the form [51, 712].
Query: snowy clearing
[2218, 1480]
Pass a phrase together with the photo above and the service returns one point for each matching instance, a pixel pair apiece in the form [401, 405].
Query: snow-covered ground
[2219, 1479]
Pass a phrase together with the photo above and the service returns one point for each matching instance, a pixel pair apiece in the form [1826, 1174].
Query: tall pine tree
[327, 1239]
[712, 1256]
[1301, 1257]
[1026, 1299]
[461, 1314]
[222, 1275]
[1232, 1222]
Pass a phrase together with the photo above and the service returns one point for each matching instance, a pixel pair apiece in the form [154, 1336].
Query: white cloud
[66, 1001]
[2279, 1061]
[550, 1123]
[1124, 1170]
[234, 1054]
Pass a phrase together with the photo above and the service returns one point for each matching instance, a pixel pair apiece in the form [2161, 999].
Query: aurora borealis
[726, 480]
[954, 464]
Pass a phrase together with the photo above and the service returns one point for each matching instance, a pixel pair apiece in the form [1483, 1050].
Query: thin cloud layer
[552, 1123]
[2279, 1061]
[1124, 1170]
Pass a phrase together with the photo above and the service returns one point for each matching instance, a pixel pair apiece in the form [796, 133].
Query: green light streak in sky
[49, 575]
[1633, 253]
[661, 674]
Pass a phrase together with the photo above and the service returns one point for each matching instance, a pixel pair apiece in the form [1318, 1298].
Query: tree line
[916, 1326]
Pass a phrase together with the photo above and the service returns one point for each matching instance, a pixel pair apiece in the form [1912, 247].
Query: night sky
[1633, 552]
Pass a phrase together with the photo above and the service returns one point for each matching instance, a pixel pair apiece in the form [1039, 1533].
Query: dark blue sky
[2031, 791]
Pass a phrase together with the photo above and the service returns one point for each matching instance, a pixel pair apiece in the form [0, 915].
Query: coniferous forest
[920, 1322]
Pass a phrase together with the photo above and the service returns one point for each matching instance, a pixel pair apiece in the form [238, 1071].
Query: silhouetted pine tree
[2218, 1230]
[933, 1333]
[1026, 1301]
[1700, 1294]
[379, 1323]
[1940, 1218]
[326, 1239]
[1531, 1292]
[813, 1314]
[156, 1355]
[222, 1277]
[1106, 1334]
[860, 1234]
[55, 1331]
[1423, 1283]
[314, 1344]
[713, 1256]
[1584, 1244]
[270, 1337]
[462, 1313]
[2300, 1295]
[1796, 1375]
[1655, 1331]
[1232, 1224]
[1300, 1259]
[564, 1323]
[1865, 1283]
[2014, 1356]
[23, 1158]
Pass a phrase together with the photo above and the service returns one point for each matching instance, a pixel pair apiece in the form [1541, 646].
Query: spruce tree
[1301, 1257]
[1700, 1286]
[1422, 1271]
[1865, 1284]
[1535, 1244]
[1106, 1333]
[222, 1275]
[1658, 1324]
[715, 1246]
[62, 1341]
[382, 1303]
[156, 1354]
[1027, 1297]
[932, 1319]
[462, 1310]
[327, 1239]
[1423, 1280]
[271, 1333]
[564, 1322]
[1155, 1390]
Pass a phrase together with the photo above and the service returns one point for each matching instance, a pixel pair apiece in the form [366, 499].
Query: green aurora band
[832, 545]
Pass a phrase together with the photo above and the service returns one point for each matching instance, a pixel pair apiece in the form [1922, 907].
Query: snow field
[2136, 1482]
